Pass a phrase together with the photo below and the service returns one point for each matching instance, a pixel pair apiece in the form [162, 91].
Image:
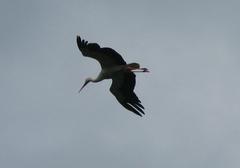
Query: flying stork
[115, 68]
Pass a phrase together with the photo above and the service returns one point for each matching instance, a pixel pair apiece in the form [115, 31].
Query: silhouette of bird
[115, 68]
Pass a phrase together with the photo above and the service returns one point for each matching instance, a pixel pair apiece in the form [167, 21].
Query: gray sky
[191, 95]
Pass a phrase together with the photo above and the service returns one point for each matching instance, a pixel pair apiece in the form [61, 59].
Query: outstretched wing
[107, 57]
[122, 87]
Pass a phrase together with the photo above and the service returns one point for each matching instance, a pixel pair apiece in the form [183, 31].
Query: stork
[115, 68]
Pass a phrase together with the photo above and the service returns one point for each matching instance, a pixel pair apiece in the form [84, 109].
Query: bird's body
[115, 68]
[108, 73]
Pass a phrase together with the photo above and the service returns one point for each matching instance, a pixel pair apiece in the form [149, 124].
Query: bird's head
[85, 83]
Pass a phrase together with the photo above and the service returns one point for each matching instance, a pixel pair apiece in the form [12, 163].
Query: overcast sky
[191, 95]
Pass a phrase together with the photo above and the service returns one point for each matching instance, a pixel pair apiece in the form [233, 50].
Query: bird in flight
[115, 68]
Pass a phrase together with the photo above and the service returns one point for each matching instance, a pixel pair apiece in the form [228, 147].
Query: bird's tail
[133, 65]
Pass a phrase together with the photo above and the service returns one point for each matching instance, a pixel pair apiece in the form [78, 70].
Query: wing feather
[122, 88]
[107, 57]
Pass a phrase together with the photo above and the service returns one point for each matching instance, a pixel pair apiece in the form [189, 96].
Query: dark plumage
[107, 57]
[123, 79]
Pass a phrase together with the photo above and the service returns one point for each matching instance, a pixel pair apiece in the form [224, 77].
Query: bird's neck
[97, 79]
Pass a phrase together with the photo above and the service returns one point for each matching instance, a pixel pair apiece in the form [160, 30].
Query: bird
[114, 67]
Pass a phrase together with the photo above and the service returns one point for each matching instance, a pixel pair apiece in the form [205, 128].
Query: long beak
[83, 86]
